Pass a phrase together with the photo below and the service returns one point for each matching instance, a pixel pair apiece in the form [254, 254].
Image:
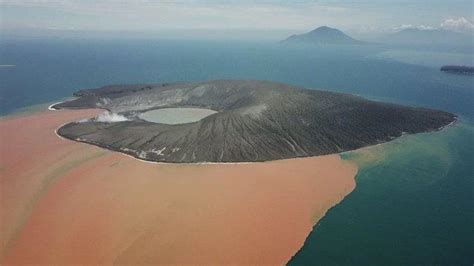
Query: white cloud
[108, 117]
[457, 24]
[410, 26]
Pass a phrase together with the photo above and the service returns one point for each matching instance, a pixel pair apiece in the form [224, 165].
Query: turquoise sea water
[413, 203]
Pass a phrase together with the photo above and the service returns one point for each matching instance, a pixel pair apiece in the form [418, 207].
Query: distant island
[416, 36]
[323, 35]
[458, 69]
[241, 121]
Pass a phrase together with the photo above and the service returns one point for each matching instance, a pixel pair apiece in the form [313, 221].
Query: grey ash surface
[256, 121]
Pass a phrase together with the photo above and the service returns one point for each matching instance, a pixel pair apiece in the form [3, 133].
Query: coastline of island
[251, 121]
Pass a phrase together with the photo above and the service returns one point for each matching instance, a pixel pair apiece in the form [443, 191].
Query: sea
[414, 199]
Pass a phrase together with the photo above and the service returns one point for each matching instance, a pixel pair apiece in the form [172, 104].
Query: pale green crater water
[174, 116]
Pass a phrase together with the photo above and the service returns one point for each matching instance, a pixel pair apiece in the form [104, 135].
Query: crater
[175, 116]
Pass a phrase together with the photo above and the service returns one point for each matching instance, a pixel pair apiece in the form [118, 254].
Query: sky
[377, 16]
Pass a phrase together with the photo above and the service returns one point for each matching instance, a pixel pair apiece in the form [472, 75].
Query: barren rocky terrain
[255, 121]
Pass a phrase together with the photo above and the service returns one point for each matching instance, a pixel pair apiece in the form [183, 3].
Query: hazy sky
[146, 15]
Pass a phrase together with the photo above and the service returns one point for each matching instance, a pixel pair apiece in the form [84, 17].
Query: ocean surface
[414, 200]
[413, 205]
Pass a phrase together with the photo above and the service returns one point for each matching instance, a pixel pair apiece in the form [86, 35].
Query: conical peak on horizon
[323, 35]
[324, 28]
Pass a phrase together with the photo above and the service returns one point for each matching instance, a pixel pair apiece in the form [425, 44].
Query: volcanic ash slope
[255, 121]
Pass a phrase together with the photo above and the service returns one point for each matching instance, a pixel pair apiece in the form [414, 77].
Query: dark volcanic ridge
[255, 121]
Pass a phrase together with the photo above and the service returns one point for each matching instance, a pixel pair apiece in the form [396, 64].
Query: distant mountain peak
[323, 35]
[324, 28]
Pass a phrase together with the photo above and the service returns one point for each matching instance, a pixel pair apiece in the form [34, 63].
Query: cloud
[410, 26]
[457, 24]
[108, 117]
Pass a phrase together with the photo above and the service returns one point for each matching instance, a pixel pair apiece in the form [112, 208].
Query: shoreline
[250, 125]
[50, 107]
[456, 118]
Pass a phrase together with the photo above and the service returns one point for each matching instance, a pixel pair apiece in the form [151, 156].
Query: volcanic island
[238, 121]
